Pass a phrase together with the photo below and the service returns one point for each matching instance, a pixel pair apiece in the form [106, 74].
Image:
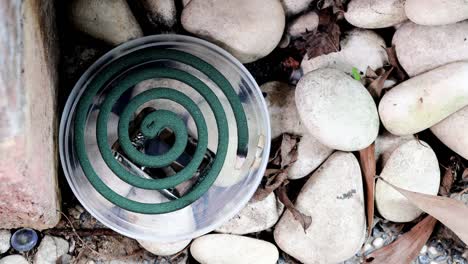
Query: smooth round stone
[425, 100]
[164, 249]
[255, 217]
[292, 7]
[375, 13]
[249, 29]
[310, 154]
[422, 48]
[334, 198]
[50, 250]
[13, 259]
[385, 144]
[181, 221]
[452, 131]
[161, 12]
[360, 49]
[227, 249]
[303, 24]
[281, 103]
[337, 110]
[5, 236]
[413, 166]
[107, 20]
[436, 12]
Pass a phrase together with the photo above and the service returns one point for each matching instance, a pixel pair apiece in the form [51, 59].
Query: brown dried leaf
[450, 212]
[290, 63]
[323, 40]
[407, 247]
[393, 60]
[447, 181]
[368, 166]
[376, 86]
[288, 150]
[303, 219]
[272, 184]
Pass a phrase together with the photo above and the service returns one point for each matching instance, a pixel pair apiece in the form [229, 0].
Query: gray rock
[292, 7]
[337, 110]
[310, 154]
[375, 13]
[161, 12]
[255, 217]
[305, 23]
[50, 250]
[108, 20]
[249, 29]
[227, 249]
[334, 198]
[436, 12]
[5, 236]
[13, 259]
[281, 104]
[452, 132]
[360, 49]
[422, 48]
[164, 249]
[386, 143]
[412, 166]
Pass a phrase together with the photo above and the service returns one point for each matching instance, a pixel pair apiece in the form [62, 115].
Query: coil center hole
[148, 138]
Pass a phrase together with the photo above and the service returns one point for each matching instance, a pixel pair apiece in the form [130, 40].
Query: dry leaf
[376, 86]
[323, 40]
[450, 212]
[407, 247]
[303, 219]
[272, 184]
[288, 150]
[447, 181]
[393, 60]
[368, 166]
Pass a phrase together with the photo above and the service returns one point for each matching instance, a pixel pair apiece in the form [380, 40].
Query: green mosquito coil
[115, 77]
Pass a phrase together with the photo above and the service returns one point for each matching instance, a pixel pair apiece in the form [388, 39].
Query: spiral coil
[123, 74]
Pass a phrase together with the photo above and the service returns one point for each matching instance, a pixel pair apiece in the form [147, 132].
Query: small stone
[310, 154]
[334, 198]
[424, 259]
[368, 247]
[422, 48]
[5, 236]
[378, 242]
[412, 166]
[292, 7]
[375, 13]
[436, 12]
[161, 12]
[337, 110]
[452, 132]
[360, 49]
[281, 103]
[386, 143]
[227, 249]
[74, 213]
[164, 249]
[13, 259]
[433, 251]
[107, 20]
[249, 29]
[50, 250]
[303, 24]
[255, 217]
[423, 250]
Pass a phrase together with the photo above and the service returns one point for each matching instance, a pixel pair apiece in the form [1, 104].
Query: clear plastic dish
[143, 66]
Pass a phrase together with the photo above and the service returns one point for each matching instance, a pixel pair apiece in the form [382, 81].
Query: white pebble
[378, 242]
